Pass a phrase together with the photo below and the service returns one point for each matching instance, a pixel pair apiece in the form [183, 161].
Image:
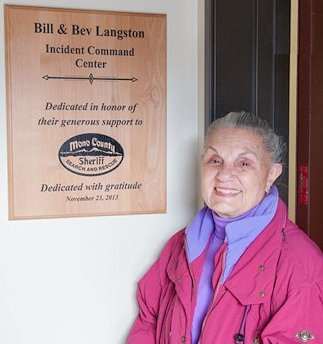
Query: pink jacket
[273, 295]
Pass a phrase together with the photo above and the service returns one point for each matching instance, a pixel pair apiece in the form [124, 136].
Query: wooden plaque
[86, 109]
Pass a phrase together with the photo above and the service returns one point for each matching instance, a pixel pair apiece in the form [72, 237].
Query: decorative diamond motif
[304, 336]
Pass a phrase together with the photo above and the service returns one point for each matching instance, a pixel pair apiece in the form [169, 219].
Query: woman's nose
[225, 173]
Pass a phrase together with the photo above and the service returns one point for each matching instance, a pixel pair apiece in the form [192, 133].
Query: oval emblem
[91, 154]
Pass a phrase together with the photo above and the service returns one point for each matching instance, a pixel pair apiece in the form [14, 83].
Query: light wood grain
[34, 144]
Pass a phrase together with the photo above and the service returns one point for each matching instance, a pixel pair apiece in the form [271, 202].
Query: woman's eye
[244, 163]
[214, 161]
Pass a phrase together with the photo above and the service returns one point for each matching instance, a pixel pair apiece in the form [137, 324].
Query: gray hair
[273, 143]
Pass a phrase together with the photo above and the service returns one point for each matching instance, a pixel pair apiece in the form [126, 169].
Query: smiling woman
[240, 272]
[237, 169]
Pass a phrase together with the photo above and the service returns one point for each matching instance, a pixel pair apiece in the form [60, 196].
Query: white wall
[73, 280]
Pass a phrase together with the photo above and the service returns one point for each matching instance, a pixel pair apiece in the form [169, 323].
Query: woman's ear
[275, 171]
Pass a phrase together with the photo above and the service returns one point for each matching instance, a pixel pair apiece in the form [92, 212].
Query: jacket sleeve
[151, 290]
[148, 294]
[299, 319]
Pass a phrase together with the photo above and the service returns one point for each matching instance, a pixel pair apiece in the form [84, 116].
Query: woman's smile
[226, 192]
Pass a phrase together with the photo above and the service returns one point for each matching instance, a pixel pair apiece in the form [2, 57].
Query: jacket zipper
[192, 279]
[189, 268]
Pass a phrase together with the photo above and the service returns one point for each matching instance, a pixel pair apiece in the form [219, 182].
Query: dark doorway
[247, 62]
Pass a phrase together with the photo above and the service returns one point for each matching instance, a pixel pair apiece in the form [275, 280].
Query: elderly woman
[240, 272]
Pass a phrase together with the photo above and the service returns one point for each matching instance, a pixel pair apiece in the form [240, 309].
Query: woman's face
[236, 171]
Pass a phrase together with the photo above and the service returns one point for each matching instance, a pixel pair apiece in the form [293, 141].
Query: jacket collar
[252, 280]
